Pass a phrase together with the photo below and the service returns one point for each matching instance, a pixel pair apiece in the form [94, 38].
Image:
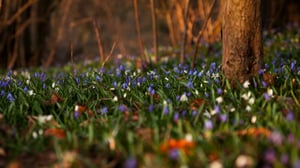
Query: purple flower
[130, 163]
[176, 116]
[167, 85]
[190, 84]
[208, 125]
[194, 112]
[284, 159]
[98, 78]
[291, 138]
[25, 89]
[264, 84]
[122, 108]
[104, 110]
[150, 107]
[10, 97]
[276, 138]
[166, 110]
[76, 114]
[296, 164]
[293, 65]
[290, 116]
[219, 91]
[174, 154]
[270, 156]
[2, 93]
[267, 96]
[151, 90]
[223, 117]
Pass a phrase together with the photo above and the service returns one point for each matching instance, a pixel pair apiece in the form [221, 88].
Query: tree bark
[242, 39]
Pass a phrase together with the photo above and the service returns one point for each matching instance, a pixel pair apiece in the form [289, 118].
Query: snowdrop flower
[183, 98]
[30, 92]
[216, 164]
[189, 137]
[270, 92]
[246, 96]
[246, 84]
[232, 109]
[53, 85]
[248, 108]
[219, 99]
[115, 99]
[253, 119]
[42, 119]
[251, 101]
[244, 161]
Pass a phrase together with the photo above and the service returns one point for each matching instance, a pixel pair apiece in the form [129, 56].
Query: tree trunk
[242, 39]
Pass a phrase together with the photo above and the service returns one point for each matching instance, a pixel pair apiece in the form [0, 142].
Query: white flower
[44, 118]
[248, 108]
[246, 84]
[189, 137]
[115, 99]
[216, 164]
[34, 135]
[232, 109]
[183, 98]
[124, 95]
[53, 85]
[196, 92]
[167, 79]
[30, 92]
[253, 119]
[270, 92]
[244, 161]
[219, 99]
[246, 96]
[251, 101]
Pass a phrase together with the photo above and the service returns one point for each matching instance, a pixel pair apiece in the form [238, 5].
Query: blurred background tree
[45, 33]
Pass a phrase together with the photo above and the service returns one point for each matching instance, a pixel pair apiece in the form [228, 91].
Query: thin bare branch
[182, 50]
[154, 29]
[200, 34]
[137, 24]
[99, 42]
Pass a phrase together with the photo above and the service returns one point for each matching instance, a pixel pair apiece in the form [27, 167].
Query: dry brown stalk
[200, 33]
[137, 24]
[182, 50]
[99, 42]
[154, 29]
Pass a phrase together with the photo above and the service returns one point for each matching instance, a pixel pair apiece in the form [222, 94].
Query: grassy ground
[166, 115]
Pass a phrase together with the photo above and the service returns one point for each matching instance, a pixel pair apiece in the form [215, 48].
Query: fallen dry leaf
[56, 132]
[254, 132]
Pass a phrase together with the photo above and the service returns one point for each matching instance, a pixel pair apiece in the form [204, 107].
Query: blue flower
[208, 125]
[104, 110]
[122, 108]
[219, 91]
[166, 110]
[2, 93]
[174, 154]
[25, 89]
[150, 107]
[167, 85]
[76, 114]
[190, 84]
[10, 97]
[130, 162]
[176, 116]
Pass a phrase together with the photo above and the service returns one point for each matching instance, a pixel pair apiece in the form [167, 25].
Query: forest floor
[164, 115]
